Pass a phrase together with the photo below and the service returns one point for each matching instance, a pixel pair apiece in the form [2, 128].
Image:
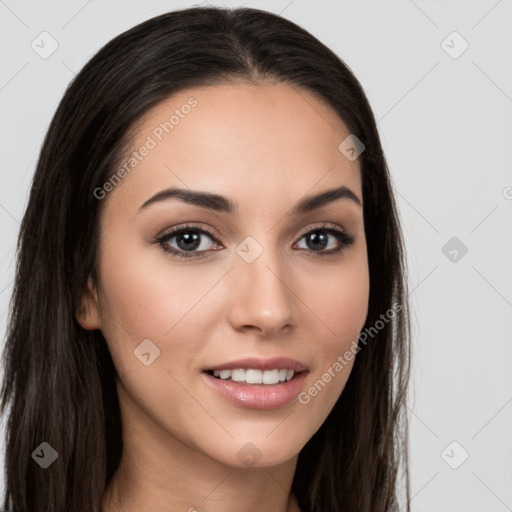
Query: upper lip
[257, 363]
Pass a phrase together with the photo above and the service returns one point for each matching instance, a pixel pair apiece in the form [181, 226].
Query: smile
[256, 395]
[254, 376]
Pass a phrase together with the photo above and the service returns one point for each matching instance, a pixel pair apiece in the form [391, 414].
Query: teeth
[269, 377]
[252, 376]
[255, 377]
[238, 375]
[225, 374]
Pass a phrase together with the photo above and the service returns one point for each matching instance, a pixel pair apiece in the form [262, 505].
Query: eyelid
[188, 226]
[323, 225]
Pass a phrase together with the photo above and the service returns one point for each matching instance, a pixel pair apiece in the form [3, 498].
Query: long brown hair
[59, 379]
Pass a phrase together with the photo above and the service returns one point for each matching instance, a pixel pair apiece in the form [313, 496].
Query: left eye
[320, 237]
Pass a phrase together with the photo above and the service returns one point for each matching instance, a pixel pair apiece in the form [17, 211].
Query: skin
[265, 147]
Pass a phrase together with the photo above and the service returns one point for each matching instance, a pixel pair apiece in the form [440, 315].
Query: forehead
[245, 138]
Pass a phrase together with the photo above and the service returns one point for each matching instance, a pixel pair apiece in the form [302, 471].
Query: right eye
[188, 240]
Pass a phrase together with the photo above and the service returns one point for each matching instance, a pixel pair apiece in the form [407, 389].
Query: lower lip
[257, 396]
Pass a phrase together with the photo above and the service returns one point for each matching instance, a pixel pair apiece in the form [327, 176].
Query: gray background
[446, 128]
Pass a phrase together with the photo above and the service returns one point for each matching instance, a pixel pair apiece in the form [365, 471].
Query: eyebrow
[222, 204]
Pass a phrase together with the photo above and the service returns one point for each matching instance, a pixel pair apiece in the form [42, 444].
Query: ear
[88, 314]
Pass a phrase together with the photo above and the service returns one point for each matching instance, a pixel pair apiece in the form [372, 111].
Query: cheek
[340, 301]
[156, 307]
[146, 296]
[340, 307]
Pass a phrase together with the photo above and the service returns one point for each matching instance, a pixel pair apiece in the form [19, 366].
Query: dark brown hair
[59, 379]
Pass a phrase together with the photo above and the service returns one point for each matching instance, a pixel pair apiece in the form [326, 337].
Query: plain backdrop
[438, 75]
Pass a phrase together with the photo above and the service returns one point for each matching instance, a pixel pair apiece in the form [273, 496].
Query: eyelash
[346, 240]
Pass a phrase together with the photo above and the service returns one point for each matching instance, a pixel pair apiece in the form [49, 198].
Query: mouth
[255, 377]
[256, 370]
[254, 388]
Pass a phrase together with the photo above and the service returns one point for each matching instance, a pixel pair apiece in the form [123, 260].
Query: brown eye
[317, 240]
[189, 241]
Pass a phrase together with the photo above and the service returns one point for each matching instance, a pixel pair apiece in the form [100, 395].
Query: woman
[210, 307]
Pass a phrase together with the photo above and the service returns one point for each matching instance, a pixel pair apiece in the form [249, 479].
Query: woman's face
[258, 284]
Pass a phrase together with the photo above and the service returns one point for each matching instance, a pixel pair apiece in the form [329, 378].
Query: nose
[261, 295]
